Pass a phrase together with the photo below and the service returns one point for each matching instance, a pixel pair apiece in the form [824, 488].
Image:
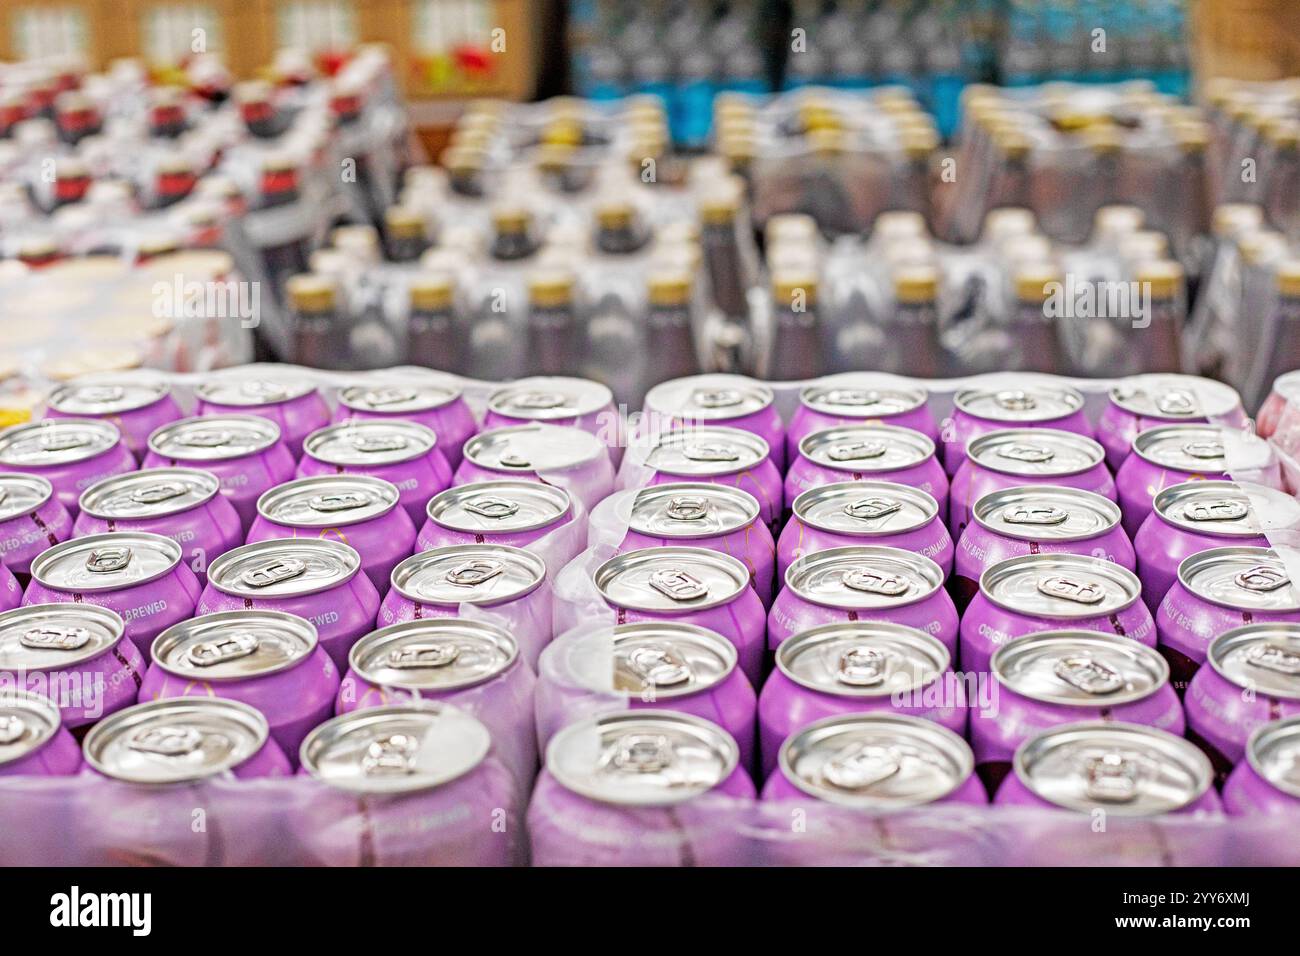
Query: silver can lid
[106, 398]
[106, 562]
[499, 507]
[1218, 508]
[328, 501]
[27, 723]
[531, 448]
[56, 441]
[1196, 449]
[705, 451]
[214, 437]
[151, 493]
[439, 654]
[1127, 769]
[179, 740]
[685, 510]
[469, 574]
[1068, 586]
[862, 659]
[642, 757]
[671, 579]
[369, 441]
[709, 397]
[1264, 658]
[22, 494]
[861, 397]
[866, 577]
[550, 398]
[1274, 753]
[876, 761]
[1035, 452]
[253, 391]
[1079, 668]
[1034, 403]
[48, 637]
[1175, 397]
[284, 568]
[669, 660]
[398, 398]
[1046, 513]
[395, 749]
[867, 448]
[234, 645]
[1241, 578]
[866, 508]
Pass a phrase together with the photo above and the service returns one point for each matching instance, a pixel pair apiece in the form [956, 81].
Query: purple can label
[1266, 782]
[33, 740]
[981, 410]
[294, 406]
[31, 520]
[1146, 401]
[1164, 456]
[137, 408]
[438, 406]
[71, 453]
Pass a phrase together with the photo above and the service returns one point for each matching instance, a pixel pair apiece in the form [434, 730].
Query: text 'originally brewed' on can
[439, 407]
[31, 519]
[981, 410]
[293, 405]
[70, 453]
[871, 452]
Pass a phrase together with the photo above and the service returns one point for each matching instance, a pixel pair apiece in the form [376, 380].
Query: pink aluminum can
[439, 407]
[1148, 401]
[867, 452]
[1216, 591]
[293, 405]
[978, 411]
[139, 575]
[33, 740]
[1164, 456]
[1186, 519]
[505, 585]
[270, 660]
[1253, 678]
[1265, 784]
[1037, 519]
[863, 583]
[244, 452]
[731, 401]
[314, 578]
[138, 409]
[865, 512]
[11, 591]
[75, 654]
[573, 402]
[31, 520]
[403, 453]
[358, 510]
[514, 513]
[1048, 592]
[703, 515]
[184, 504]
[859, 398]
[1015, 457]
[688, 586]
[851, 669]
[627, 789]
[547, 454]
[70, 453]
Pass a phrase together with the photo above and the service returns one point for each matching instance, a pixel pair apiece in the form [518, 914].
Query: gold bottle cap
[1015, 144]
[1283, 132]
[1117, 220]
[720, 207]
[566, 131]
[463, 159]
[1230, 218]
[1032, 280]
[615, 214]
[1144, 245]
[1261, 245]
[919, 143]
[432, 290]
[511, 218]
[473, 137]
[1164, 277]
[1288, 277]
[404, 222]
[1192, 136]
[790, 288]
[1102, 139]
[553, 157]
[311, 293]
[916, 284]
[826, 141]
[549, 288]
[668, 288]
[1006, 221]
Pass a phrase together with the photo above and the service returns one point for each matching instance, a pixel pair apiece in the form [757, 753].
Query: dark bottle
[434, 337]
[670, 336]
[175, 181]
[316, 333]
[166, 114]
[618, 228]
[554, 333]
[404, 230]
[258, 111]
[76, 117]
[513, 233]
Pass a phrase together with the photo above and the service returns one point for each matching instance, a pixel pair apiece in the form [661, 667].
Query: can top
[642, 757]
[860, 397]
[395, 749]
[376, 441]
[532, 448]
[706, 451]
[328, 501]
[1128, 769]
[1175, 398]
[1068, 586]
[863, 577]
[650, 660]
[1035, 452]
[1274, 753]
[22, 494]
[862, 659]
[687, 509]
[56, 441]
[709, 397]
[469, 574]
[1046, 513]
[234, 645]
[1217, 508]
[671, 580]
[499, 507]
[106, 562]
[876, 761]
[1035, 403]
[252, 392]
[175, 741]
[151, 493]
[398, 398]
[439, 654]
[548, 398]
[865, 508]
[1079, 668]
[1264, 658]
[284, 568]
[27, 722]
[106, 398]
[214, 437]
[43, 637]
[1197, 449]
[867, 448]
[1241, 578]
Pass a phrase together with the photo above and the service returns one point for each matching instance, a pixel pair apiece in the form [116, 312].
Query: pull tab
[641, 753]
[1262, 578]
[52, 638]
[167, 741]
[688, 508]
[12, 728]
[1039, 515]
[205, 438]
[419, 656]
[1274, 657]
[1030, 454]
[855, 451]
[716, 398]
[711, 451]
[1111, 778]
[1220, 509]
[539, 401]
[157, 493]
[341, 501]
[373, 444]
[863, 666]
[659, 665]
[874, 581]
[4, 495]
[1088, 674]
[390, 756]
[379, 397]
[264, 390]
[869, 509]
[515, 459]
[107, 560]
[65, 441]
[473, 573]
[1177, 402]
[1203, 450]
[227, 648]
[854, 397]
[491, 506]
[861, 766]
[1069, 589]
[101, 394]
[281, 569]
[1015, 400]
[677, 584]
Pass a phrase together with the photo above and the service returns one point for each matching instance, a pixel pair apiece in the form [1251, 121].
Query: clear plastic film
[576, 680]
